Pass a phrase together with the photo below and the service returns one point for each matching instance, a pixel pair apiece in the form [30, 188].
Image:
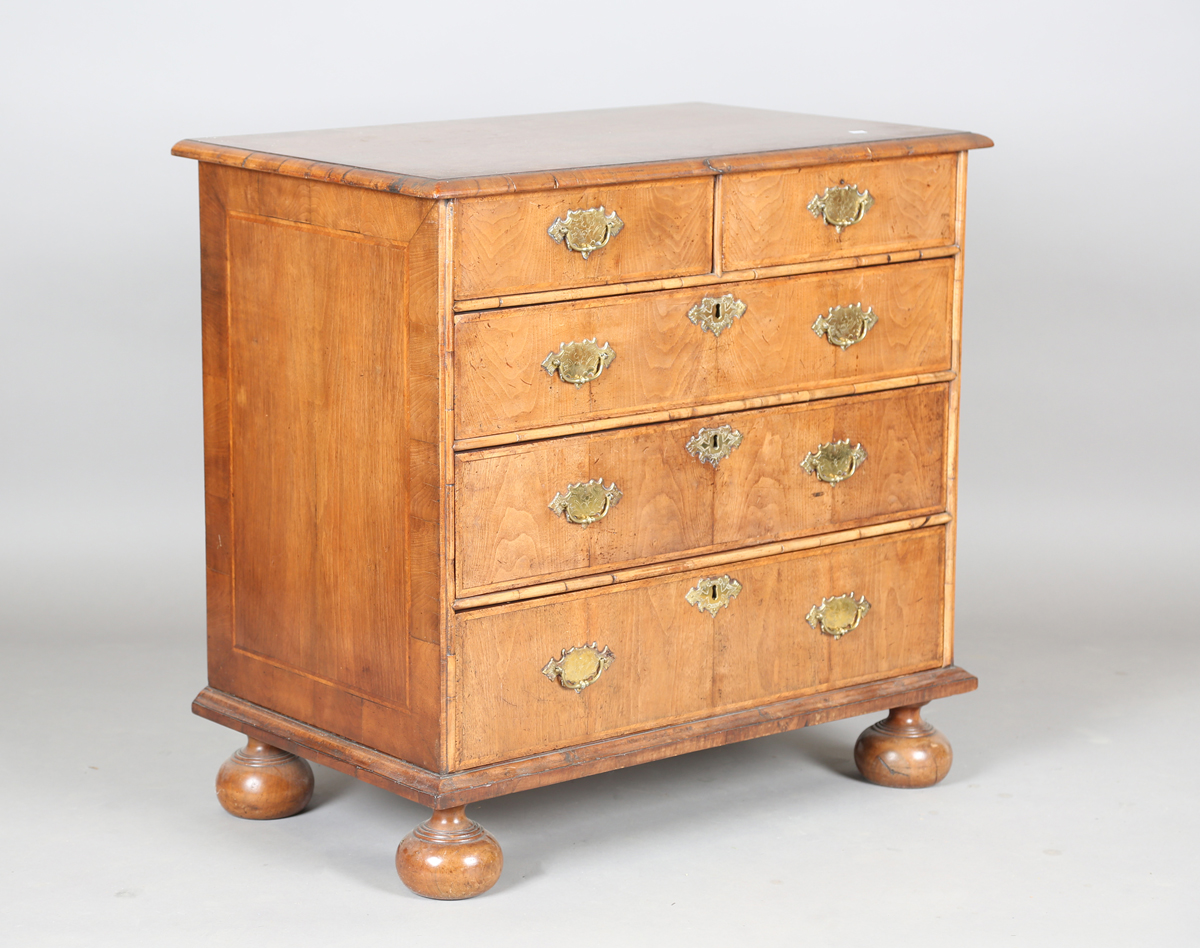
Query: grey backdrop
[1069, 812]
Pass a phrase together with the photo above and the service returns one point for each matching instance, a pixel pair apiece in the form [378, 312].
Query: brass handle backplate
[834, 462]
[843, 326]
[714, 445]
[586, 231]
[841, 205]
[838, 615]
[586, 502]
[715, 314]
[578, 667]
[714, 593]
[579, 362]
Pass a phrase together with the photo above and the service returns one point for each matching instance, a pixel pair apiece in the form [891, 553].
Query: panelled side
[317, 372]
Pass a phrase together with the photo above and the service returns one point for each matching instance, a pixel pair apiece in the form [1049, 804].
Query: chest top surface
[532, 152]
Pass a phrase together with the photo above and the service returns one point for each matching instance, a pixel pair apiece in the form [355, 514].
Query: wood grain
[441, 790]
[903, 751]
[766, 221]
[261, 782]
[309, 490]
[502, 245]
[793, 397]
[673, 505]
[675, 662]
[466, 307]
[449, 857]
[318, 412]
[952, 418]
[718, 562]
[575, 149]
[664, 361]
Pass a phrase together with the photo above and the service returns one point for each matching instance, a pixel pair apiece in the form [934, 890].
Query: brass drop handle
[578, 667]
[834, 462]
[838, 615]
[714, 445]
[714, 593]
[579, 362]
[715, 314]
[843, 326]
[841, 205]
[586, 502]
[586, 231]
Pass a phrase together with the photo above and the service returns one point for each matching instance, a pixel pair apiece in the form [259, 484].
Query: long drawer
[518, 243]
[862, 207]
[794, 471]
[666, 659]
[644, 352]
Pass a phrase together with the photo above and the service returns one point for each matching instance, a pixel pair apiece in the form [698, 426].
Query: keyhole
[717, 312]
[713, 590]
[716, 442]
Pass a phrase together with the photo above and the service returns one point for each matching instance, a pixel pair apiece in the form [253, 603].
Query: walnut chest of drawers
[542, 446]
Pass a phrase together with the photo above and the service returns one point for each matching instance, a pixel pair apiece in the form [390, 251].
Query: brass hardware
[578, 667]
[709, 595]
[838, 615]
[845, 325]
[714, 444]
[716, 314]
[579, 362]
[834, 462]
[841, 206]
[586, 231]
[586, 502]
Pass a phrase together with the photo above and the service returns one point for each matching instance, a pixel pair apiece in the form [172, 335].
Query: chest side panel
[320, 609]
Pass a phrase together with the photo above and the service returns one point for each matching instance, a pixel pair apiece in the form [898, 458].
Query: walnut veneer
[406, 580]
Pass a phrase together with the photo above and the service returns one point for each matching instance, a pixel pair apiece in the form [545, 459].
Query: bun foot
[261, 782]
[903, 751]
[449, 856]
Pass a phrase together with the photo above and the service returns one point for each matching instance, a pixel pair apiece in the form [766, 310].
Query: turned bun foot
[449, 856]
[261, 782]
[903, 751]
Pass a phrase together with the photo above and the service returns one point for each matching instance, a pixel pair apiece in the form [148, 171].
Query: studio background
[1069, 811]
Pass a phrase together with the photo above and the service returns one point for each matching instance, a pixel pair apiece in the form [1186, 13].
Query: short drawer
[772, 218]
[520, 243]
[673, 502]
[669, 660]
[646, 354]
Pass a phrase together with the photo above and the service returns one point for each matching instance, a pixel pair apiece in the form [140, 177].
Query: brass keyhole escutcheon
[715, 314]
[834, 462]
[578, 667]
[841, 206]
[838, 615]
[713, 445]
[579, 362]
[714, 593]
[586, 502]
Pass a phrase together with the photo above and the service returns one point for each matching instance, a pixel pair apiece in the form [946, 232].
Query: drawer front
[767, 221]
[660, 359]
[503, 244]
[673, 504]
[671, 661]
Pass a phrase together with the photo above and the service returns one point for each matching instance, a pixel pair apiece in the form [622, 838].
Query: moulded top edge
[570, 149]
